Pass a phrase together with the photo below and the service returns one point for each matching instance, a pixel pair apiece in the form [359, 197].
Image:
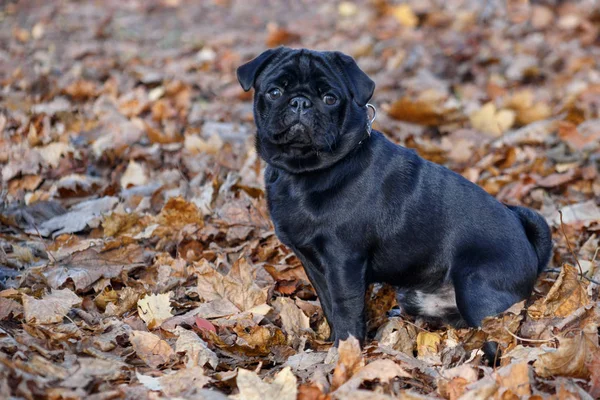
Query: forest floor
[137, 258]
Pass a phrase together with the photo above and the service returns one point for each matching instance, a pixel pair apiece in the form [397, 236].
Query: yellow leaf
[154, 309]
[405, 15]
[491, 121]
[427, 344]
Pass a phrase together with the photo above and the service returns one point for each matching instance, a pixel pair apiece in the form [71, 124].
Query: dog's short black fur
[357, 209]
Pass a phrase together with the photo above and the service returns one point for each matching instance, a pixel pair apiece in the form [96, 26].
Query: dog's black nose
[300, 104]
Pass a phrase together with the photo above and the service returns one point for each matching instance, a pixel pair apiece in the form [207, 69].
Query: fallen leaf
[51, 308]
[81, 216]
[238, 286]
[150, 348]
[86, 370]
[405, 15]
[185, 383]
[176, 214]
[585, 136]
[514, 381]
[383, 370]
[350, 362]
[584, 212]
[213, 309]
[278, 36]
[428, 344]
[572, 357]
[294, 321]
[196, 349]
[499, 328]
[154, 309]
[195, 144]
[492, 121]
[134, 175]
[251, 387]
[399, 335]
[567, 294]
[150, 382]
[9, 307]
[86, 267]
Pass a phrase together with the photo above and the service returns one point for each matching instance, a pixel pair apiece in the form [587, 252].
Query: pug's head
[309, 106]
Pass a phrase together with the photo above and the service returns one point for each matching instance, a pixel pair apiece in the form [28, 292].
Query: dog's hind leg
[478, 297]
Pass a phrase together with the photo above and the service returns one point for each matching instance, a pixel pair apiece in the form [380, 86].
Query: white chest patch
[437, 304]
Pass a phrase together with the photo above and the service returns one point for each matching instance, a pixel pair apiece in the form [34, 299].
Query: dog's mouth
[295, 136]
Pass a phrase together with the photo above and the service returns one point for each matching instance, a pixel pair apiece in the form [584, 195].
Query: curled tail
[538, 233]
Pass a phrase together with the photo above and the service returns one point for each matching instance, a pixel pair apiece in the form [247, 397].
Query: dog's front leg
[319, 282]
[346, 278]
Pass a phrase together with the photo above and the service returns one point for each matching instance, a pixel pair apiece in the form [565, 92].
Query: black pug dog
[358, 209]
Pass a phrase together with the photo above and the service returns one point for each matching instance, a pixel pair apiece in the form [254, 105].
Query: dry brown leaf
[195, 144]
[154, 309]
[499, 328]
[118, 223]
[585, 212]
[416, 112]
[8, 307]
[383, 370]
[294, 321]
[399, 335]
[51, 308]
[251, 387]
[514, 381]
[212, 309]
[279, 36]
[567, 294]
[257, 340]
[150, 348]
[87, 369]
[572, 357]
[86, 267]
[492, 121]
[350, 361]
[585, 136]
[82, 216]
[454, 381]
[176, 214]
[196, 349]
[528, 111]
[428, 344]
[238, 286]
[185, 383]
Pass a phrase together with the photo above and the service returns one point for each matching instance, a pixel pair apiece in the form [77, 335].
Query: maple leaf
[155, 309]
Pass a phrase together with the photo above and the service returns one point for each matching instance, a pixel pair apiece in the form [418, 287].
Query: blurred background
[127, 168]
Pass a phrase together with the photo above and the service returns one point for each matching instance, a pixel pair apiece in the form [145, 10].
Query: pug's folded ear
[361, 86]
[248, 72]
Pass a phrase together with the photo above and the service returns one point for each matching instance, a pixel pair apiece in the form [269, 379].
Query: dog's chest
[300, 212]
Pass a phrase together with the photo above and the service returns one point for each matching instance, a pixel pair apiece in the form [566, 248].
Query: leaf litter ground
[137, 259]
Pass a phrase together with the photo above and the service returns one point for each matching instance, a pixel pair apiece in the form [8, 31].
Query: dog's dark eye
[274, 94]
[329, 99]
